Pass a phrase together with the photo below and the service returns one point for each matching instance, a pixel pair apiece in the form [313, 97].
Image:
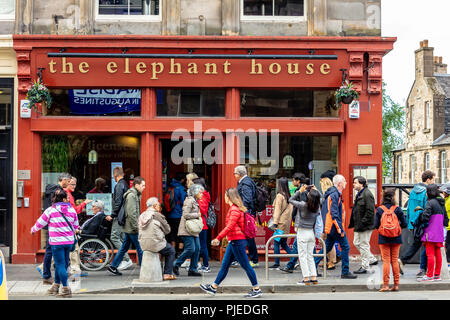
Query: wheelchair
[96, 250]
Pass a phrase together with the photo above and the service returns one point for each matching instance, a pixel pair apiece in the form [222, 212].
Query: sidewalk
[25, 280]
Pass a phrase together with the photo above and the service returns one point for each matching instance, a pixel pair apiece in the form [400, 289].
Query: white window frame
[123, 17]
[443, 157]
[412, 166]
[9, 17]
[427, 160]
[400, 169]
[291, 19]
[427, 115]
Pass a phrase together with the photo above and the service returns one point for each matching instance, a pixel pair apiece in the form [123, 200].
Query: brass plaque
[364, 149]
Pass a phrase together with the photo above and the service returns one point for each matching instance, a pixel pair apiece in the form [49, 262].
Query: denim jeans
[47, 263]
[236, 251]
[169, 256]
[332, 238]
[415, 246]
[276, 248]
[117, 237]
[61, 257]
[191, 250]
[127, 240]
[204, 247]
[291, 264]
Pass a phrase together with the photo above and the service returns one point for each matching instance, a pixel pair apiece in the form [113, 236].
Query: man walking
[118, 201]
[131, 228]
[417, 198]
[246, 188]
[45, 268]
[335, 216]
[362, 220]
[174, 216]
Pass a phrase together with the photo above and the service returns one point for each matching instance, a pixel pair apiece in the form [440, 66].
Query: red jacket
[71, 199]
[234, 224]
[204, 205]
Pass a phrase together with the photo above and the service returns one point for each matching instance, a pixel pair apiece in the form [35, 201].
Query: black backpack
[261, 196]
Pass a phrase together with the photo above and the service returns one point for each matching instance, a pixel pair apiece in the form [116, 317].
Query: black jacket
[401, 219]
[50, 190]
[363, 212]
[247, 190]
[118, 201]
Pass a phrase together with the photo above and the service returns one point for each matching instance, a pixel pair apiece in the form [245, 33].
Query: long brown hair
[235, 198]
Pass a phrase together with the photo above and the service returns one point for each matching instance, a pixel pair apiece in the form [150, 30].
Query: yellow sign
[3, 287]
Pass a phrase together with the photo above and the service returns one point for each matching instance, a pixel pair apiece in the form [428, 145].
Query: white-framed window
[426, 159]
[427, 123]
[400, 169]
[412, 166]
[269, 10]
[148, 10]
[7, 9]
[443, 157]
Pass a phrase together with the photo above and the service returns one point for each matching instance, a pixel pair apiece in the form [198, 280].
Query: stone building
[427, 132]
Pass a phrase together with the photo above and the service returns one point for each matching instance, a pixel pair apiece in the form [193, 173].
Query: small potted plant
[37, 95]
[345, 94]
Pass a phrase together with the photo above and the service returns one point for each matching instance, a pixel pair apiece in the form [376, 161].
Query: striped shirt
[59, 231]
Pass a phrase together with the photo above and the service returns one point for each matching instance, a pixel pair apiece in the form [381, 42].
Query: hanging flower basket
[345, 94]
[38, 96]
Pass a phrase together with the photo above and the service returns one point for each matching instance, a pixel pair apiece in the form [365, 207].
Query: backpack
[169, 200]
[389, 225]
[121, 217]
[211, 217]
[261, 196]
[249, 226]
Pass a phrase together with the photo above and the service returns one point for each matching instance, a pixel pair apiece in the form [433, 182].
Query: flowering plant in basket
[345, 94]
[38, 93]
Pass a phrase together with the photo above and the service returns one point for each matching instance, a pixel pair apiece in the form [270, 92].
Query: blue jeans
[127, 240]
[276, 248]
[236, 251]
[291, 264]
[332, 238]
[191, 250]
[47, 263]
[204, 247]
[61, 255]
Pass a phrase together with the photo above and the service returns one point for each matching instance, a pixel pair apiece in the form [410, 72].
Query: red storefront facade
[359, 140]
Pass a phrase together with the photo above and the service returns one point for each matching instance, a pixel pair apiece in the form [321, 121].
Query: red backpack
[389, 225]
[249, 226]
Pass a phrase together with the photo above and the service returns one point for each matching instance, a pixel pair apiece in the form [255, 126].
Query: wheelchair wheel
[94, 254]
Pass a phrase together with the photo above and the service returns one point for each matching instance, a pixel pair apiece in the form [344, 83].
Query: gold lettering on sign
[226, 64]
[157, 68]
[208, 67]
[83, 67]
[310, 68]
[51, 64]
[173, 65]
[275, 66]
[66, 65]
[256, 65]
[111, 67]
[141, 67]
[325, 68]
[127, 65]
[192, 68]
[295, 71]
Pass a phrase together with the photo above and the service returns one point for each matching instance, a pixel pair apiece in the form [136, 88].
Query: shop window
[88, 158]
[5, 106]
[371, 175]
[272, 8]
[7, 9]
[190, 103]
[94, 102]
[287, 103]
[147, 9]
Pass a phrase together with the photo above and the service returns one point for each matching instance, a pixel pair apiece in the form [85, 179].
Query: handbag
[211, 218]
[74, 245]
[194, 226]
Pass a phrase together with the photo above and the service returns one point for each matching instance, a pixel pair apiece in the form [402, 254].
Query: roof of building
[442, 140]
[399, 148]
[444, 82]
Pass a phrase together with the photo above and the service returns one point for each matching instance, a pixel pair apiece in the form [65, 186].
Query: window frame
[411, 119]
[291, 19]
[412, 167]
[128, 17]
[443, 167]
[9, 17]
[426, 158]
[427, 115]
[400, 168]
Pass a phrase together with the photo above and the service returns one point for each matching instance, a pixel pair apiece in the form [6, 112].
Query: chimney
[424, 60]
[439, 66]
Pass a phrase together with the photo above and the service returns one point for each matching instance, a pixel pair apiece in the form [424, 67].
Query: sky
[411, 22]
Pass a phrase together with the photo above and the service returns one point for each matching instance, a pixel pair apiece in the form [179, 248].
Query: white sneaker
[124, 265]
[186, 263]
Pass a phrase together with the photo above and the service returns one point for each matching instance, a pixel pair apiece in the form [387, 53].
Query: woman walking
[305, 220]
[435, 216]
[282, 217]
[203, 236]
[62, 222]
[389, 245]
[191, 249]
[234, 226]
